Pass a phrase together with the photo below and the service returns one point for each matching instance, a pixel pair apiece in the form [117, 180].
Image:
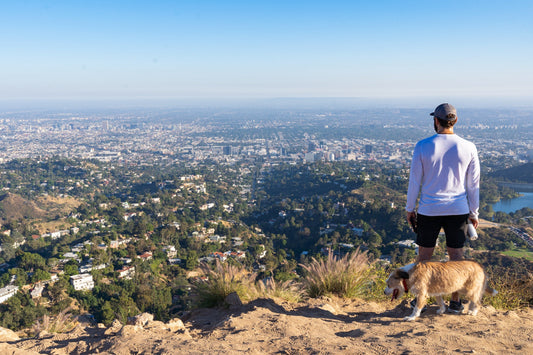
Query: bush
[377, 283]
[347, 276]
[220, 282]
[514, 292]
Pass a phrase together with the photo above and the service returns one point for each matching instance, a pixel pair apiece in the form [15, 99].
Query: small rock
[141, 319]
[43, 334]
[114, 328]
[155, 324]
[175, 324]
[8, 335]
[129, 329]
[233, 300]
[328, 308]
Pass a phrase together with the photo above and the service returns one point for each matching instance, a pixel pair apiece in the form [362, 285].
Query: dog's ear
[402, 274]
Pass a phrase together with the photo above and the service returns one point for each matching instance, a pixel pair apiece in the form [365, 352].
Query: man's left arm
[472, 187]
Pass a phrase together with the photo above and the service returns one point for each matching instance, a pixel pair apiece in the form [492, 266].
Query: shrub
[378, 275]
[514, 292]
[346, 276]
[220, 282]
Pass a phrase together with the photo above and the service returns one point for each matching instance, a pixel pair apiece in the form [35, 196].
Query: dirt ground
[319, 326]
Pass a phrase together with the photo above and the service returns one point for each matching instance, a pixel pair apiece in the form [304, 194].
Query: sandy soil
[323, 326]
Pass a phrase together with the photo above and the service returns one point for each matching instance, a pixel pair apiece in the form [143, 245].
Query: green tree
[192, 260]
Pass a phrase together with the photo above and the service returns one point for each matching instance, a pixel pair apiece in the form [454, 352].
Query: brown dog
[430, 278]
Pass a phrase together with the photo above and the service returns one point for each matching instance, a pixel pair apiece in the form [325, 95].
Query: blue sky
[261, 49]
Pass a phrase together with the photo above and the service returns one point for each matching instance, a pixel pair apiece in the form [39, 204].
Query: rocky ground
[319, 326]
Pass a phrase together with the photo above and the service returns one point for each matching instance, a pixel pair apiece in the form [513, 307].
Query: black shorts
[455, 228]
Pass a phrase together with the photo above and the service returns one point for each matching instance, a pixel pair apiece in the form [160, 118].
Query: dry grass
[61, 323]
[514, 292]
[289, 290]
[346, 276]
[220, 282]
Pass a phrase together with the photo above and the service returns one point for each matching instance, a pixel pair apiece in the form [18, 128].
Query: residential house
[127, 272]
[7, 292]
[82, 282]
[37, 290]
[145, 256]
[171, 251]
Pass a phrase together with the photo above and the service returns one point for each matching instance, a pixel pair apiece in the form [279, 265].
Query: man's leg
[455, 254]
[428, 232]
[424, 253]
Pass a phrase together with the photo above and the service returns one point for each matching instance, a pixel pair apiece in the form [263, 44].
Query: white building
[37, 291]
[8, 292]
[82, 282]
[171, 251]
[127, 272]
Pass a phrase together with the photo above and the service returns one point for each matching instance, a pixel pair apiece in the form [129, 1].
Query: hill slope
[522, 173]
[326, 326]
[15, 207]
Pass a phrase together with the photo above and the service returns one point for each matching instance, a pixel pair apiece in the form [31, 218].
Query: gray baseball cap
[445, 112]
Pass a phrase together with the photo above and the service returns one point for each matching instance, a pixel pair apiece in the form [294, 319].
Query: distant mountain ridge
[519, 174]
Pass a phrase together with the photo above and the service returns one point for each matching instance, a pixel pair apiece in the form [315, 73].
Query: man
[445, 172]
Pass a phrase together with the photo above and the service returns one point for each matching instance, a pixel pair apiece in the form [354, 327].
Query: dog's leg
[442, 306]
[420, 303]
[475, 297]
[473, 308]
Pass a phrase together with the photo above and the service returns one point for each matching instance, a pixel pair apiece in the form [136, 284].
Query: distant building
[309, 157]
[37, 290]
[146, 256]
[8, 292]
[127, 272]
[82, 282]
[171, 251]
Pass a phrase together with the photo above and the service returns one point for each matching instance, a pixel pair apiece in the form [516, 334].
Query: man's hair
[447, 123]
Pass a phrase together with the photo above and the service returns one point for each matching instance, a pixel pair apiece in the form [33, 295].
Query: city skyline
[469, 51]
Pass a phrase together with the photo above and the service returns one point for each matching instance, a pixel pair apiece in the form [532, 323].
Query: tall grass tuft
[220, 282]
[347, 276]
[288, 290]
[63, 322]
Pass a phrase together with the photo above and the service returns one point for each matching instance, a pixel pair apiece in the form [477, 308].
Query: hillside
[320, 326]
[520, 174]
[15, 207]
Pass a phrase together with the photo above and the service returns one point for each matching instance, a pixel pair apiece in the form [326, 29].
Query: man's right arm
[415, 180]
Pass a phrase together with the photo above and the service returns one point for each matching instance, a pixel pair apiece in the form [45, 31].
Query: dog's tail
[490, 291]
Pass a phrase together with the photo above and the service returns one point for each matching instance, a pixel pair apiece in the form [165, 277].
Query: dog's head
[395, 285]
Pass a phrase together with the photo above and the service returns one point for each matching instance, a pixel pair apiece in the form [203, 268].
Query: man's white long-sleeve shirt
[445, 171]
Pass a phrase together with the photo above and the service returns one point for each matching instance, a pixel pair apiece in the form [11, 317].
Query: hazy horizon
[385, 53]
[303, 103]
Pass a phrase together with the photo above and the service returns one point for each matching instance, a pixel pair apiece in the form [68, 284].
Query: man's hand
[475, 222]
[411, 219]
